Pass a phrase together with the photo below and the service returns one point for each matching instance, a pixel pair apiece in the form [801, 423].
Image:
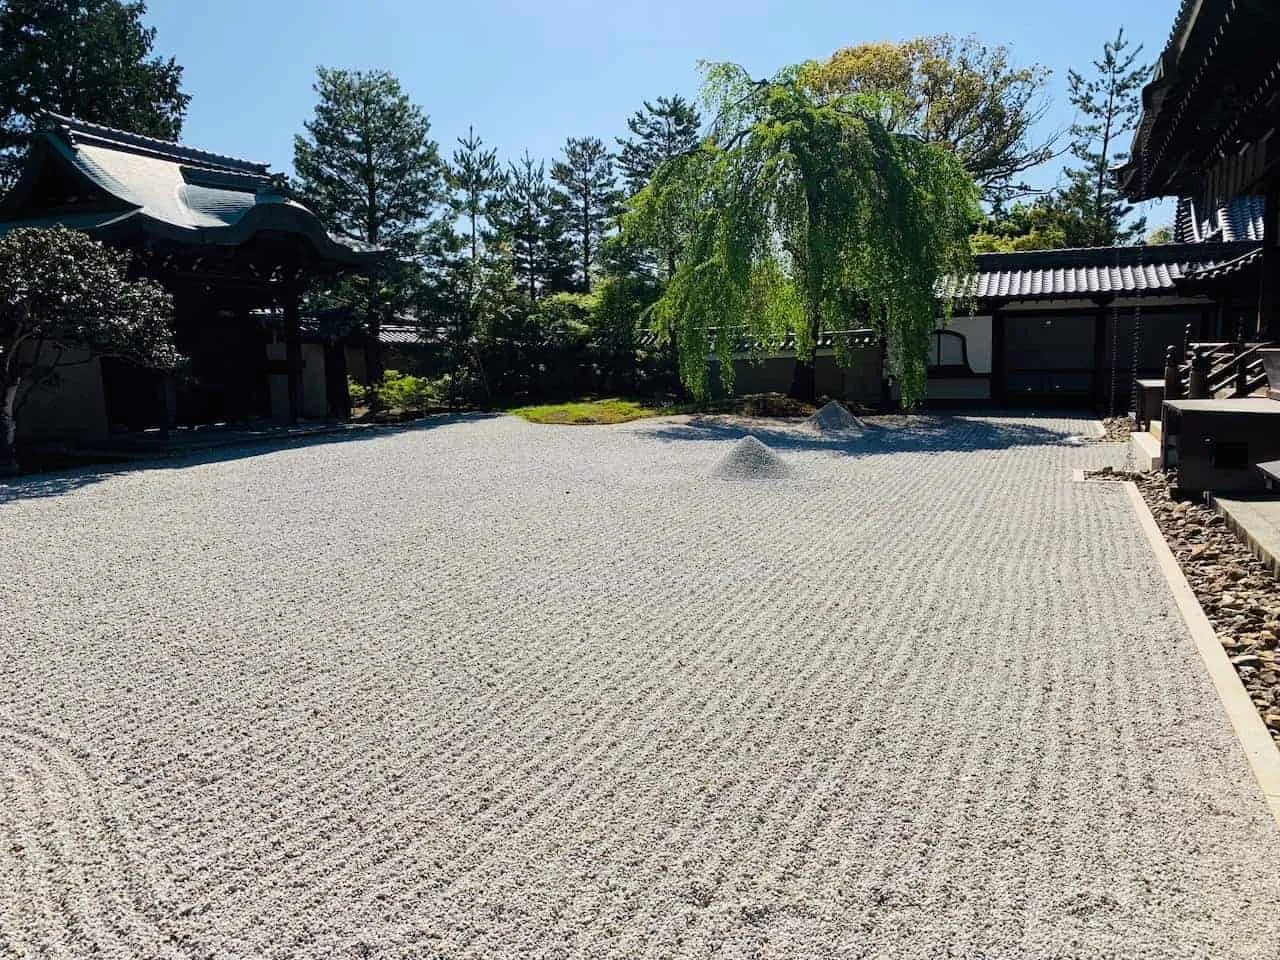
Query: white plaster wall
[977, 334]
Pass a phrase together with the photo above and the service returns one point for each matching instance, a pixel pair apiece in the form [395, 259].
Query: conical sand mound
[836, 419]
[751, 460]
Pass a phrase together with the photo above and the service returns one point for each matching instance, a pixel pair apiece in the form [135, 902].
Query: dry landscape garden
[734, 540]
[565, 690]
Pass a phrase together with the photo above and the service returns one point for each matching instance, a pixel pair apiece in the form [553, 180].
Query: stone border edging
[1259, 748]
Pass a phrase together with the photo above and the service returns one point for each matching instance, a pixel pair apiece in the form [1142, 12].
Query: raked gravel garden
[486, 688]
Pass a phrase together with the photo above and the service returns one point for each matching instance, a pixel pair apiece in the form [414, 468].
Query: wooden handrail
[1237, 366]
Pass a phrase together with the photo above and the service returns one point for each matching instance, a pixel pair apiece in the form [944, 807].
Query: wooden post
[998, 386]
[1268, 295]
[293, 351]
[169, 403]
[1198, 383]
[1172, 374]
[1099, 352]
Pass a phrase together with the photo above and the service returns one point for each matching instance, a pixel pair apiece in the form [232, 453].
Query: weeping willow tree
[801, 215]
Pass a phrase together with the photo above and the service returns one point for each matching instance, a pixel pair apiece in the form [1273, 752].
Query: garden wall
[861, 379]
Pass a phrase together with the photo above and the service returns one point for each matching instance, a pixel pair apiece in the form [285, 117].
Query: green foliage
[61, 293]
[367, 165]
[660, 131]
[532, 231]
[1108, 104]
[369, 169]
[401, 391]
[805, 213]
[404, 391]
[585, 199]
[953, 91]
[358, 392]
[1043, 225]
[1162, 234]
[87, 58]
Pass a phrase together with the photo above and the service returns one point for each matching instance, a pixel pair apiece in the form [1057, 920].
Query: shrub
[404, 391]
[357, 392]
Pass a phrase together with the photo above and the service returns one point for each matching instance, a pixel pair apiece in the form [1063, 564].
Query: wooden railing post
[1198, 382]
[1172, 374]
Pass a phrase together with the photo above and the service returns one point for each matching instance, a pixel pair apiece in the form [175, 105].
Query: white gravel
[492, 689]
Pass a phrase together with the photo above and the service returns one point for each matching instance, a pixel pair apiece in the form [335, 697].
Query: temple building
[1207, 135]
[236, 252]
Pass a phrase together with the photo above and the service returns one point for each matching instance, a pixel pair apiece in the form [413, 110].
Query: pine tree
[368, 166]
[90, 59]
[457, 296]
[1108, 104]
[369, 169]
[659, 132]
[531, 230]
[477, 181]
[586, 198]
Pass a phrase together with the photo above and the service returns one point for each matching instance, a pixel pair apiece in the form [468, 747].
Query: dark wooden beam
[1268, 280]
[293, 350]
[998, 391]
[1099, 352]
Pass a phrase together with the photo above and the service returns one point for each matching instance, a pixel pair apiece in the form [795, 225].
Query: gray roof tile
[1065, 274]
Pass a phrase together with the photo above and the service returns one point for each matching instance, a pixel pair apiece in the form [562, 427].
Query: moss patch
[612, 410]
[618, 410]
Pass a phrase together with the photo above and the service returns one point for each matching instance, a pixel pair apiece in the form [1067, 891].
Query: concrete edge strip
[1259, 748]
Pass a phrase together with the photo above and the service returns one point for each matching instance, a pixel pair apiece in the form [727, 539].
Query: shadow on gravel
[56, 483]
[924, 433]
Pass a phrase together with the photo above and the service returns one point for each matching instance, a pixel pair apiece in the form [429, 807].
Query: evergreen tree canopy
[806, 213]
[476, 179]
[586, 197]
[660, 132]
[367, 165]
[369, 169]
[953, 91]
[90, 59]
[532, 232]
[1108, 104]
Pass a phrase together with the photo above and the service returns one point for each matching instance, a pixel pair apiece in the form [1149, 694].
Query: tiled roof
[82, 131]
[404, 335]
[1088, 272]
[1230, 267]
[170, 191]
[1241, 218]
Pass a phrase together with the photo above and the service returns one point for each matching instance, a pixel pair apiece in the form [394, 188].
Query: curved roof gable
[178, 193]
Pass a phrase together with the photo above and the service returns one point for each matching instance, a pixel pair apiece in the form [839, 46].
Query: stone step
[1156, 429]
[1146, 452]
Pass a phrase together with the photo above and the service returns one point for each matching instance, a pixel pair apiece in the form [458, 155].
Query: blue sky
[528, 75]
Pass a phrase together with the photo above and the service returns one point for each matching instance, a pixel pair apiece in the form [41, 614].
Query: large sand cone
[751, 460]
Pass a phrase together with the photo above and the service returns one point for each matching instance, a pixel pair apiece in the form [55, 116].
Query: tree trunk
[8, 429]
[804, 379]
